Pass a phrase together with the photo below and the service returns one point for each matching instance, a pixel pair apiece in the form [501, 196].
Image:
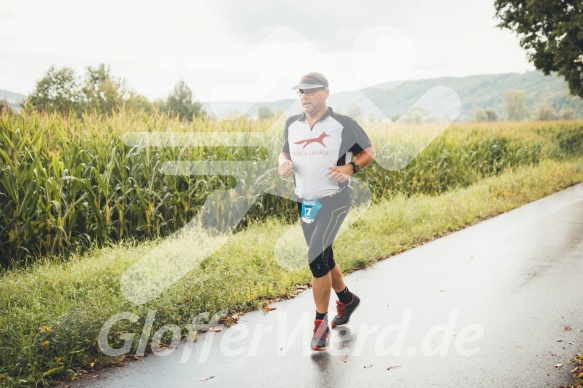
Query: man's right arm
[286, 167]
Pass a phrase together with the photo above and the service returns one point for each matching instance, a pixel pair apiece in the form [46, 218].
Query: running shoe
[321, 338]
[345, 311]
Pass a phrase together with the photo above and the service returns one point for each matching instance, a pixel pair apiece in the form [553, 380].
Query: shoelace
[340, 308]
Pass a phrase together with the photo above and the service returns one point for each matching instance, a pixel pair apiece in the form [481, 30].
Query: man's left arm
[365, 158]
[363, 150]
[342, 173]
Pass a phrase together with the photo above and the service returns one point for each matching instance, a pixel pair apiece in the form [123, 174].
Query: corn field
[67, 184]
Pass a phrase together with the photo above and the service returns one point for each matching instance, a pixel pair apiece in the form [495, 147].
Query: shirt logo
[319, 139]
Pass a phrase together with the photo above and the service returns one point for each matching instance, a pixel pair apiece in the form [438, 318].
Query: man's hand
[286, 169]
[341, 173]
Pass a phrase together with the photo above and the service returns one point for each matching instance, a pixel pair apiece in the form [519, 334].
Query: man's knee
[322, 263]
[319, 267]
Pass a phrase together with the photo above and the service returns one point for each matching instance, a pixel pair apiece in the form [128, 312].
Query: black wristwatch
[355, 167]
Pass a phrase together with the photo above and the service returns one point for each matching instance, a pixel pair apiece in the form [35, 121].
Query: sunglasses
[309, 91]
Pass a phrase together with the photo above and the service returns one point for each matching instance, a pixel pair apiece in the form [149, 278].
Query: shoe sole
[344, 324]
[317, 349]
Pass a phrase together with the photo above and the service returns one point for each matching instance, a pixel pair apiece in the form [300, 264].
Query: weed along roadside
[53, 310]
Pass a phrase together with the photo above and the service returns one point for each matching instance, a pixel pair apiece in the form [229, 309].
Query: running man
[322, 150]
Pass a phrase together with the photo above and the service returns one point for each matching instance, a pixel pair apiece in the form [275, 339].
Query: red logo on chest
[319, 139]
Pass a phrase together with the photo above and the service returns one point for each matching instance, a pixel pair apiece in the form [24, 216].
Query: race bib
[310, 210]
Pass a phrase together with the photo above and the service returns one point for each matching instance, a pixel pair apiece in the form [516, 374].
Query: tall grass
[67, 184]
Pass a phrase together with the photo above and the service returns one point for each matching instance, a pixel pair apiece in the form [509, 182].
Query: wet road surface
[498, 304]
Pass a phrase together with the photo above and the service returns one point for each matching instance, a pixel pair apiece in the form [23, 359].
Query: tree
[416, 115]
[102, 92]
[137, 102]
[551, 31]
[264, 113]
[180, 102]
[567, 114]
[61, 90]
[492, 115]
[515, 108]
[485, 115]
[545, 113]
[480, 114]
[57, 91]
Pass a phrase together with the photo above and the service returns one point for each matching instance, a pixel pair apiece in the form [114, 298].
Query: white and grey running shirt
[332, 141]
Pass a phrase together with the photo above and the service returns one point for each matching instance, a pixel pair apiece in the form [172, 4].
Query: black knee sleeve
[319, 267]
[329, 256]
[323, 263]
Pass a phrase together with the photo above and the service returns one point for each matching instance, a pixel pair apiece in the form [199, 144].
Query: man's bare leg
[337, 279]
[321, 289]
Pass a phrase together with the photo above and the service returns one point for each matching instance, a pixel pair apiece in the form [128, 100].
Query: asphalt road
[498, 304]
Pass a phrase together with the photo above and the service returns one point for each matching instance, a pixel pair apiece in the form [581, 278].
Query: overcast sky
[253, 50]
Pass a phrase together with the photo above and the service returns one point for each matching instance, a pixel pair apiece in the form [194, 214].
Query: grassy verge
[577, 372]
[51, 313]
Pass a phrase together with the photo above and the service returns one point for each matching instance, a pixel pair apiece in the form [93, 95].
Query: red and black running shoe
[345, 311]
[321, 338]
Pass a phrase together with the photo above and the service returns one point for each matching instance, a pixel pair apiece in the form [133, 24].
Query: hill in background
[481, 91]
[477, 91]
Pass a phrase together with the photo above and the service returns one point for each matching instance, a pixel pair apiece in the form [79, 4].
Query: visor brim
[305, 85]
